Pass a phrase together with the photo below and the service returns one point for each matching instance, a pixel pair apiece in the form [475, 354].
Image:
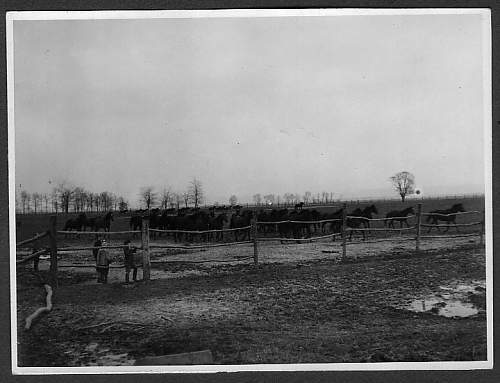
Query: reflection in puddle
[451, 300]
[448, 308]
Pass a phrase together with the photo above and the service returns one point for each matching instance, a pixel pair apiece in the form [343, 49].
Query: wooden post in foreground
[344, 233]
[146, 262]
[255, 246]
[53, 251]
[419, 221]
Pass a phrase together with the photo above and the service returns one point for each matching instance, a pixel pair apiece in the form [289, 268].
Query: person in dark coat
[102, 264]
[129, 251]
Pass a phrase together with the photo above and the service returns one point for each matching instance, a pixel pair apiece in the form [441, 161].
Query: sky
[250, 105]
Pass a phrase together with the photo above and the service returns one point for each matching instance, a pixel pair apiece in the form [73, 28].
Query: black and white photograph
[250, 190]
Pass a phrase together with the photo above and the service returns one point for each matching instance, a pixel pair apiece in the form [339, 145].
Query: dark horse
[103, 222]
[360, 218]
[135, 222]
[335, 226]
[217, 223]
[398, 215]
[447, 215]
[242, 219]
[299, 206]
[76, 224]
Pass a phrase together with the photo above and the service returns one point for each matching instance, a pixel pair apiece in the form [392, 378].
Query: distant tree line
[293, 198]
[66, 198]
[150, 197]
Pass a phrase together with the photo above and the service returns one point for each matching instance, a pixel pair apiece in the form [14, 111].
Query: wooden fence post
[255, 245]
[146, 262]
[344, 234]
[53, 250]
[419, 221]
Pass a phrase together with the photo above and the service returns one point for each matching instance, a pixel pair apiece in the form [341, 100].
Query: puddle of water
[450, 301]
[448, 308]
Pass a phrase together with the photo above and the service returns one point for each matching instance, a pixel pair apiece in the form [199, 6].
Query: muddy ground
[299, 305]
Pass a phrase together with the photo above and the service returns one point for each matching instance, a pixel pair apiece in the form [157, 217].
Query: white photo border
[485, 13]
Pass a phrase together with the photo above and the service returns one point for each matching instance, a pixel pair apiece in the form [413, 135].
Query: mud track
[299, 311]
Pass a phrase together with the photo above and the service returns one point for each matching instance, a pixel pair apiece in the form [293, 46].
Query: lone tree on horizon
[404, 184]
[148, 196]
[195, 192]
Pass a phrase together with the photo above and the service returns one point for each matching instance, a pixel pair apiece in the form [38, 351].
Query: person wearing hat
[129, 251]
[102, 263]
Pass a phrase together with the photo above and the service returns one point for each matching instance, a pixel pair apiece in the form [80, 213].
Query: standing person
[102, 264]
[97, 243]
[36, 248]
[129, 261]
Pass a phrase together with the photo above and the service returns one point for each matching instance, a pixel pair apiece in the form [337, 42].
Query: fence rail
[454, 225]
[33, 239]
[254, 237]
[380, 229]
[99, 232]
[447, 215]
[199, 231]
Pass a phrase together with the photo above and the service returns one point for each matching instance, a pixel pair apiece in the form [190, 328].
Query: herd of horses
[82, 222]
[287, 223]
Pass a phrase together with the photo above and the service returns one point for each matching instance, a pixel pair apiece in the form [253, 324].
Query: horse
[135, 222]
[398, 215]
[301, 229]
[76, 223]
[299, 206]
[103, 222]
[447, 215]
[239, 220]
[361, 217]
[154, 221]
[335, 226]
[198, 221]
[217, 223]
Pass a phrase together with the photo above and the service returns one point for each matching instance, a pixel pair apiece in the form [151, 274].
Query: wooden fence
[254, 238]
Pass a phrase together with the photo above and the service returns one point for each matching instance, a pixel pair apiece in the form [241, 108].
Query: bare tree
[25, 198]
[307, 197]
[37, 200]
[185, 198]
[195, 192]
[122, 204]
[148, 196]
[178, 199]
[65, 193]
[288, 197]
[257, 199]
[166, 198]
[55, 200]
[233, 200]
[106, 201]
[45, 198]
[78, 199]
[403, 183]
